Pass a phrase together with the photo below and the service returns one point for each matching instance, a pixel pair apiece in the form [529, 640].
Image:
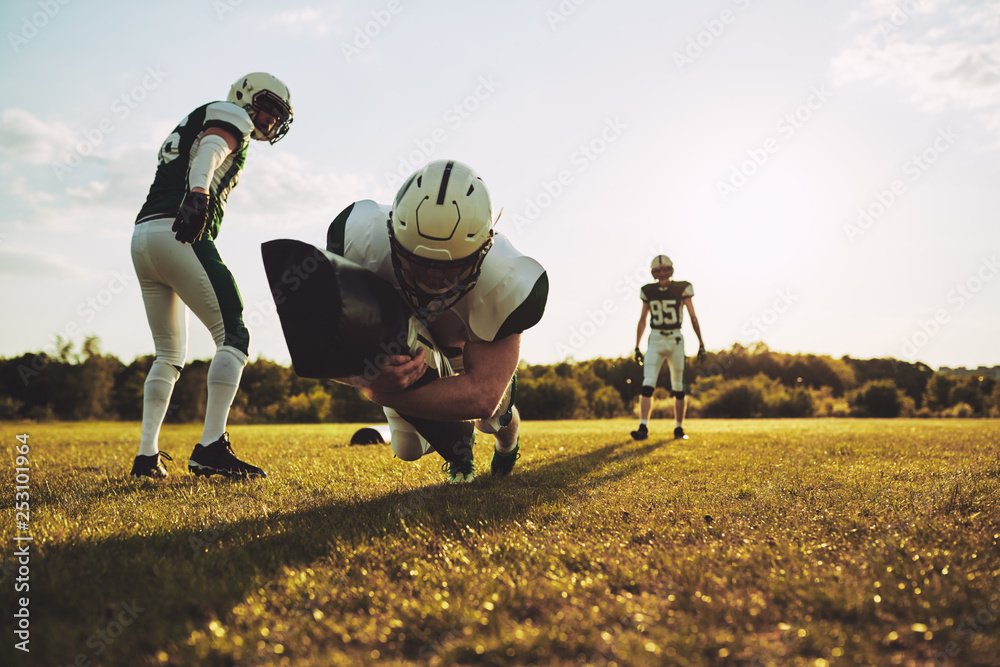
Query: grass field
[753, 543]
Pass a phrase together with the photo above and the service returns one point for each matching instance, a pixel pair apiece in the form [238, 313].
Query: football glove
[638, 356]
[192, 218]
[702, 354]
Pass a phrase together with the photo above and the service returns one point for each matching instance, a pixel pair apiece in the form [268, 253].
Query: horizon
[78, 351]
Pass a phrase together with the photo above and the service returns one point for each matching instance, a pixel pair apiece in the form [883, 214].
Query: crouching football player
[474, 293]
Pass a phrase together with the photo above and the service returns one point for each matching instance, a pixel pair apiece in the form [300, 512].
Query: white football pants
[173, 277]
[664, 346]
[407, 443]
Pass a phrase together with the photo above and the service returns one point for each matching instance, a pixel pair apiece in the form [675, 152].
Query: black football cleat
[679, 433]
[150, 466]
[502, 464]
[641, 433]
[459, 472]
[218, 459]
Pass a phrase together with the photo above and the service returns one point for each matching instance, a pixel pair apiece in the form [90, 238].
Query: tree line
[742, 382]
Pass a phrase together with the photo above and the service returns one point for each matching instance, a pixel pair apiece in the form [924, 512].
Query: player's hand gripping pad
[339, 319]
[419, 336]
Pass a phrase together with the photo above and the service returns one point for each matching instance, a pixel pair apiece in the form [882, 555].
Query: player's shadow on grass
[182, 579]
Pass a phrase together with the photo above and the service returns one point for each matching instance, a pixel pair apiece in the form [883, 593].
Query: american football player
[179, 267]
[472, 294]
[664, 302]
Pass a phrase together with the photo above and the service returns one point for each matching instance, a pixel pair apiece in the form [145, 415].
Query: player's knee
[170, 356]
[238, 354]
[486, 426]
[164, 368]
[237, 337]
[678, 394]
[646, 391]
[499, 420]
[170, 348]
[406, 445]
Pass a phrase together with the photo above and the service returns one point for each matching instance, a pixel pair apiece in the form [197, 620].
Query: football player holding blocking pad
[471, 293]
[179, 267]
[664, 302]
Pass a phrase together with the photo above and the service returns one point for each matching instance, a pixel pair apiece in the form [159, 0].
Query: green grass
[752, 543]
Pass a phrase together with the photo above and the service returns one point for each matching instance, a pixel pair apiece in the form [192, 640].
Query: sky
[824, 174]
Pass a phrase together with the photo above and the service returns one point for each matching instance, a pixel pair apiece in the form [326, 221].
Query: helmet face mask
[662, 273]
[433, 285]
[662, 268]
[261, 93]
[440, 230]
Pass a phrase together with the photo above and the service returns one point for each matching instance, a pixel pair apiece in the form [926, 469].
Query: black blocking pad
[339, 319]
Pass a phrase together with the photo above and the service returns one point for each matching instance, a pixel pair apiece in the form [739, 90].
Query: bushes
[762, 396]
[550, 397]
[960, 410]
[798, 402]
[759, 396]
[878, 398]
[738, 383]
[736, 399]
[606, 403]
[566, 392]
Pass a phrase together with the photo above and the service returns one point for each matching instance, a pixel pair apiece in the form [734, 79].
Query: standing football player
[179, 267]
[474, 293]
[664, 302]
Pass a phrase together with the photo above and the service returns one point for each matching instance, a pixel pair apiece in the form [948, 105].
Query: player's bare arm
[689, 305]
[474, 394]
[642, 323]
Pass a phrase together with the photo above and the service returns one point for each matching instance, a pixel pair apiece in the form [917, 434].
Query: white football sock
[224, 375]
[156, 392]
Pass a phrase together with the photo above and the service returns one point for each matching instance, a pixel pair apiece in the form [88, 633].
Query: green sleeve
[335, 234]
[529, 312]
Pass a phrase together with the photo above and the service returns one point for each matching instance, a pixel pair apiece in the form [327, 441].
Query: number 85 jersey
[666, 304]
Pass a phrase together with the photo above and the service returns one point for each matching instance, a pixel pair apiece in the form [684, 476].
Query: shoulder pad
[509, 280]
[229, 117]
[360, 234]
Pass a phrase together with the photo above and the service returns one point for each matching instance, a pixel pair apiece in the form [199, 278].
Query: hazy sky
[825, 174]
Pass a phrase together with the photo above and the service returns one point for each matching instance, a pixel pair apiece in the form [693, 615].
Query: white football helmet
[440, 230]
[260, 91]
[660, 263]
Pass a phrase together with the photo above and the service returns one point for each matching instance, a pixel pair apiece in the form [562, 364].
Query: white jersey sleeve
[361, 234]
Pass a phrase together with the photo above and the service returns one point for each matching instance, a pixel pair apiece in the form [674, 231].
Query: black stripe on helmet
[444, 182]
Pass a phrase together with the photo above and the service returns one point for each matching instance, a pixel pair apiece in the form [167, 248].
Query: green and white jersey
[666, 304]
[508, 298]
[171, 182]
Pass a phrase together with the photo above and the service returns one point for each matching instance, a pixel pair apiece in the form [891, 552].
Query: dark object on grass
[371, 435]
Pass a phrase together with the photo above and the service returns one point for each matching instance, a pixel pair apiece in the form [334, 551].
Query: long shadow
[180, 579]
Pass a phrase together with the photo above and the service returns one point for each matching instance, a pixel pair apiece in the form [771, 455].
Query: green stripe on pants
[226, 291]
